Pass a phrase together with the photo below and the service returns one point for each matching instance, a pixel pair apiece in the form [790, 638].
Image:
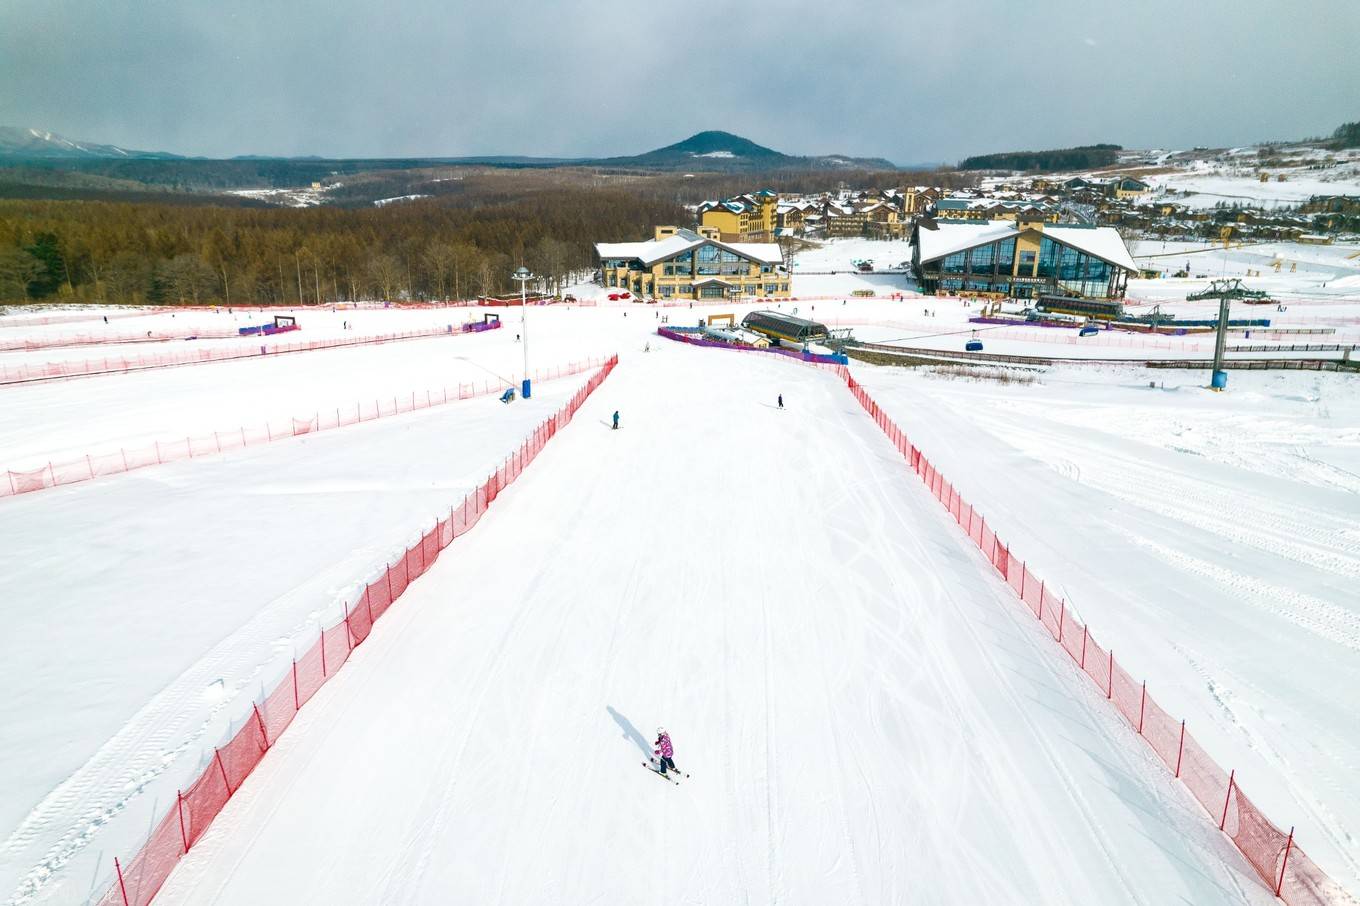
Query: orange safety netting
[92, 466]
[193, 810]
[1288, 872]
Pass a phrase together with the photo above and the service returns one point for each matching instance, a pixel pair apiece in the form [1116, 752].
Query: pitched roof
[955, 236]
[653, 250]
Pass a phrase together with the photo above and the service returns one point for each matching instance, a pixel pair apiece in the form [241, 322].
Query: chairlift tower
[1225, 291]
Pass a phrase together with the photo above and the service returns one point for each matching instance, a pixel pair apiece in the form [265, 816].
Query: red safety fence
[106, 339]
[97, 465]
[1271, 851]
[18, 374]
[137, 882]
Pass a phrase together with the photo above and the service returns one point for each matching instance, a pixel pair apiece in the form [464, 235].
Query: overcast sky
[909, 81]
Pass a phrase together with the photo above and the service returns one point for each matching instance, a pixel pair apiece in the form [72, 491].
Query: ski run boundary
[52, 371]
[91, 466]
[1282, 866]
[137, 882]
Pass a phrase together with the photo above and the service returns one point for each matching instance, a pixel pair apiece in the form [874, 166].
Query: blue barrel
[524, 389]
[1219, 380]
[973, 346]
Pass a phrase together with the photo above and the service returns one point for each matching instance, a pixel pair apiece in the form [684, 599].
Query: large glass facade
[988, 268]
[713, 261]
[982, 259]
[1005, 255]
[679, 266]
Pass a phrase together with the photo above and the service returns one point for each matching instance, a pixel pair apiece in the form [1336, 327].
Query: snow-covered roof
[654, 250]
[955, 236]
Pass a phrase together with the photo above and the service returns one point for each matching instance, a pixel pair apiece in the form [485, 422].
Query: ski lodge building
[745, 218]
[1020, 259]
[681, 264]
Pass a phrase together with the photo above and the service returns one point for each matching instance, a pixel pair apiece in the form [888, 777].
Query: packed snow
[857, 697]
[865, 714]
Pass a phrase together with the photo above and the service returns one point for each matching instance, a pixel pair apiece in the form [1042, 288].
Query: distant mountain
[725, 152]
[36, 144]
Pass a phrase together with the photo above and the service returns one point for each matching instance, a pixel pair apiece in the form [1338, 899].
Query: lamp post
[523, 276]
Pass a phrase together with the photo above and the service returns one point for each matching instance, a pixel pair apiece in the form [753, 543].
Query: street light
[523, 276]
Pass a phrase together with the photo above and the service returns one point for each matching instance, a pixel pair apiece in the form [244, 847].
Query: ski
[665, 777]
[656, 764]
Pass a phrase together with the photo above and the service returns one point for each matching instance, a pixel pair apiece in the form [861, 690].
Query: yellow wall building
[745, 218]
[681, 264]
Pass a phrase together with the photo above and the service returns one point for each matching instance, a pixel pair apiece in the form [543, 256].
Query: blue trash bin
[524, 389]
[1219, 380]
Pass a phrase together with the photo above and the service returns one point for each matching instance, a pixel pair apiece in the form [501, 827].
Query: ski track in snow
[863, 706]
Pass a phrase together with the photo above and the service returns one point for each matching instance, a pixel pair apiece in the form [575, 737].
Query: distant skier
[647, 347]
[781, 401]
[616, 419]
[665, 752]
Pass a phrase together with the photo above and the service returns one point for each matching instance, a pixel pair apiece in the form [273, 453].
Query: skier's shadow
[630, 731]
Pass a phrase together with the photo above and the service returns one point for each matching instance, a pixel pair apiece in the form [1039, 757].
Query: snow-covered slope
[867, 716]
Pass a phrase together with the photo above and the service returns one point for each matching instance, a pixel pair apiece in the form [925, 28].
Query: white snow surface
[867, 715]
[1210, 538]
[884, 706]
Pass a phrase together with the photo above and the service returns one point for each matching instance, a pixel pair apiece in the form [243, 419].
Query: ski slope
[867, 715]
[1211, 538]
[140, 608]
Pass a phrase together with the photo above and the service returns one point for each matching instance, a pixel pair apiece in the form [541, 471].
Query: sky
[906, 80]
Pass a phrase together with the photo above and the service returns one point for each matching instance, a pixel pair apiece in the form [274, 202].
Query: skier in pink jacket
[665, 752]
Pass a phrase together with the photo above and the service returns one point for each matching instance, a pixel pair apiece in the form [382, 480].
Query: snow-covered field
[868, 715]
[1211, 538]
[1235, 179]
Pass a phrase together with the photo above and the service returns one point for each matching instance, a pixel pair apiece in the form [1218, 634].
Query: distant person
[106, 319]
[616, 420]
[647, 347]
[781, 401]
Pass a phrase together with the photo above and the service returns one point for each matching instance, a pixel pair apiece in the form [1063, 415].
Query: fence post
[1142, 704]
[1109, 679]
[1232, 775]
[368, 605]
[1180, 750]
[260, 721]
[1083, 647]
[1288, 845]
[1024, 573]
[217, 753]
[1062, 612]
[296, 706]
[122, 888]
[1041, 597]
[158, 452]
[349, 632]
[322, 643]
[184, 837]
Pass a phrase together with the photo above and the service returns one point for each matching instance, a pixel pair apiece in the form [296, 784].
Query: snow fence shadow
[193, 810]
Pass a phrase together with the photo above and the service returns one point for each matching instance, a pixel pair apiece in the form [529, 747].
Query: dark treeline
[1086, 157]
[130, 253]
[131, 246]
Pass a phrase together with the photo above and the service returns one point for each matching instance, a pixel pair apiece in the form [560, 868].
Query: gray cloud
[909, 81]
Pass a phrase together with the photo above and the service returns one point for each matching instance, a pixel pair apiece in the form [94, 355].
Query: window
[712, 291]
[1005, 255]
[1048, 257]
[954, 264]
[1071, 263]
[1026, 264]
[679, 266]
[981, 259]
[707, 257]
